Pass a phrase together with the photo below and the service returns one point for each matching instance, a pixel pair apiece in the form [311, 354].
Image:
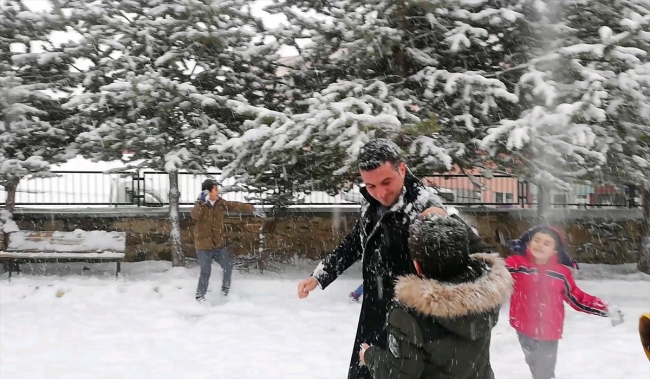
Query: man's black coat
[380, 239]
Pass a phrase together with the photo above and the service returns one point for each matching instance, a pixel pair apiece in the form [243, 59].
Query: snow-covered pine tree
[442, 61]
[626, 65]
[626, 62]
[160, 77]
[615, 36]
[583, 93]
[317, 149]
[32, 71]
[465, 52]
[163, 123]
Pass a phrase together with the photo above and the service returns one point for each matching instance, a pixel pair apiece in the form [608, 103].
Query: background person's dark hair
[441, 246]
[377, 152]
[208, 184]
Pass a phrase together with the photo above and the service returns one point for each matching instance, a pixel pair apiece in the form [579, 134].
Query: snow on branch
[338, 120]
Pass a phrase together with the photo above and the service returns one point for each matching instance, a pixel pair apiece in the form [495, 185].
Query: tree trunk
[178, 258]
[10, 206]
[543, 202]
[401, 61]
[262, 253]
[646, 207]
[644, 254]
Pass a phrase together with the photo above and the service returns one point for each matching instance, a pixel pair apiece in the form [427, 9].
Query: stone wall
[304, 234]
[594, 236]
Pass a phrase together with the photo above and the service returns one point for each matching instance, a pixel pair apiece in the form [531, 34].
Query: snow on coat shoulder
[427, 197]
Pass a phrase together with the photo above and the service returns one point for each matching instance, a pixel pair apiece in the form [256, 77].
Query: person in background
[441, 324]
[356, 294]
[644, 333]
[542, 284]
[209, 239]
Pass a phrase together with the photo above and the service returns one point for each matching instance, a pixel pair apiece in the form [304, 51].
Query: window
[466, 196]
[611, 199]
[503, 198]
[560, 199]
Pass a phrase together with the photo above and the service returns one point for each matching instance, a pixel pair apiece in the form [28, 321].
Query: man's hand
[203, 196]
[306, 286]
[433, 210]
[362, 353]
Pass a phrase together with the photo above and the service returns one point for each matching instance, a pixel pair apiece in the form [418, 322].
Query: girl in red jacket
[542, 284]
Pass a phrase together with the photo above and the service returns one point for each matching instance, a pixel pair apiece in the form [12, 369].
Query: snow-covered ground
[146, 324]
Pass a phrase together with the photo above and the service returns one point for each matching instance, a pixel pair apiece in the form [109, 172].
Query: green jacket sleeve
[404, 358]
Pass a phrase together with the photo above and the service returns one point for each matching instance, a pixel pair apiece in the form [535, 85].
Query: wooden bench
[87, 246]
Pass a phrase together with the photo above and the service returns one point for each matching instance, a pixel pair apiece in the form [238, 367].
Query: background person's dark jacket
[442, 331]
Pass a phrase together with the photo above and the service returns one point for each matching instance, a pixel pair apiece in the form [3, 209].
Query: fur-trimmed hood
[433, 298]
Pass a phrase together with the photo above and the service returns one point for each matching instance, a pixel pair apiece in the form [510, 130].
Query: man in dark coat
[394, 197]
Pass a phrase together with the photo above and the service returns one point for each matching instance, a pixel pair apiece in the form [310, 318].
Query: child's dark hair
[519, 245]
[441, 246]
[549, 232]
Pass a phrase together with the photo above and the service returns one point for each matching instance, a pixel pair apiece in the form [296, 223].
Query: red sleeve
[515, 263]
[578, 300]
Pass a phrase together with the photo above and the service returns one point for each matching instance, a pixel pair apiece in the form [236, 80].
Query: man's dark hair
[208, 184]
[377, 152]
[441, 246]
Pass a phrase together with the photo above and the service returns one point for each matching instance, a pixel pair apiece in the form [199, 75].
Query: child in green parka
[441, 324]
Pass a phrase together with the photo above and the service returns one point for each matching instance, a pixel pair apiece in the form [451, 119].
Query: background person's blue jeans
[358, 292]
[205, 258]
